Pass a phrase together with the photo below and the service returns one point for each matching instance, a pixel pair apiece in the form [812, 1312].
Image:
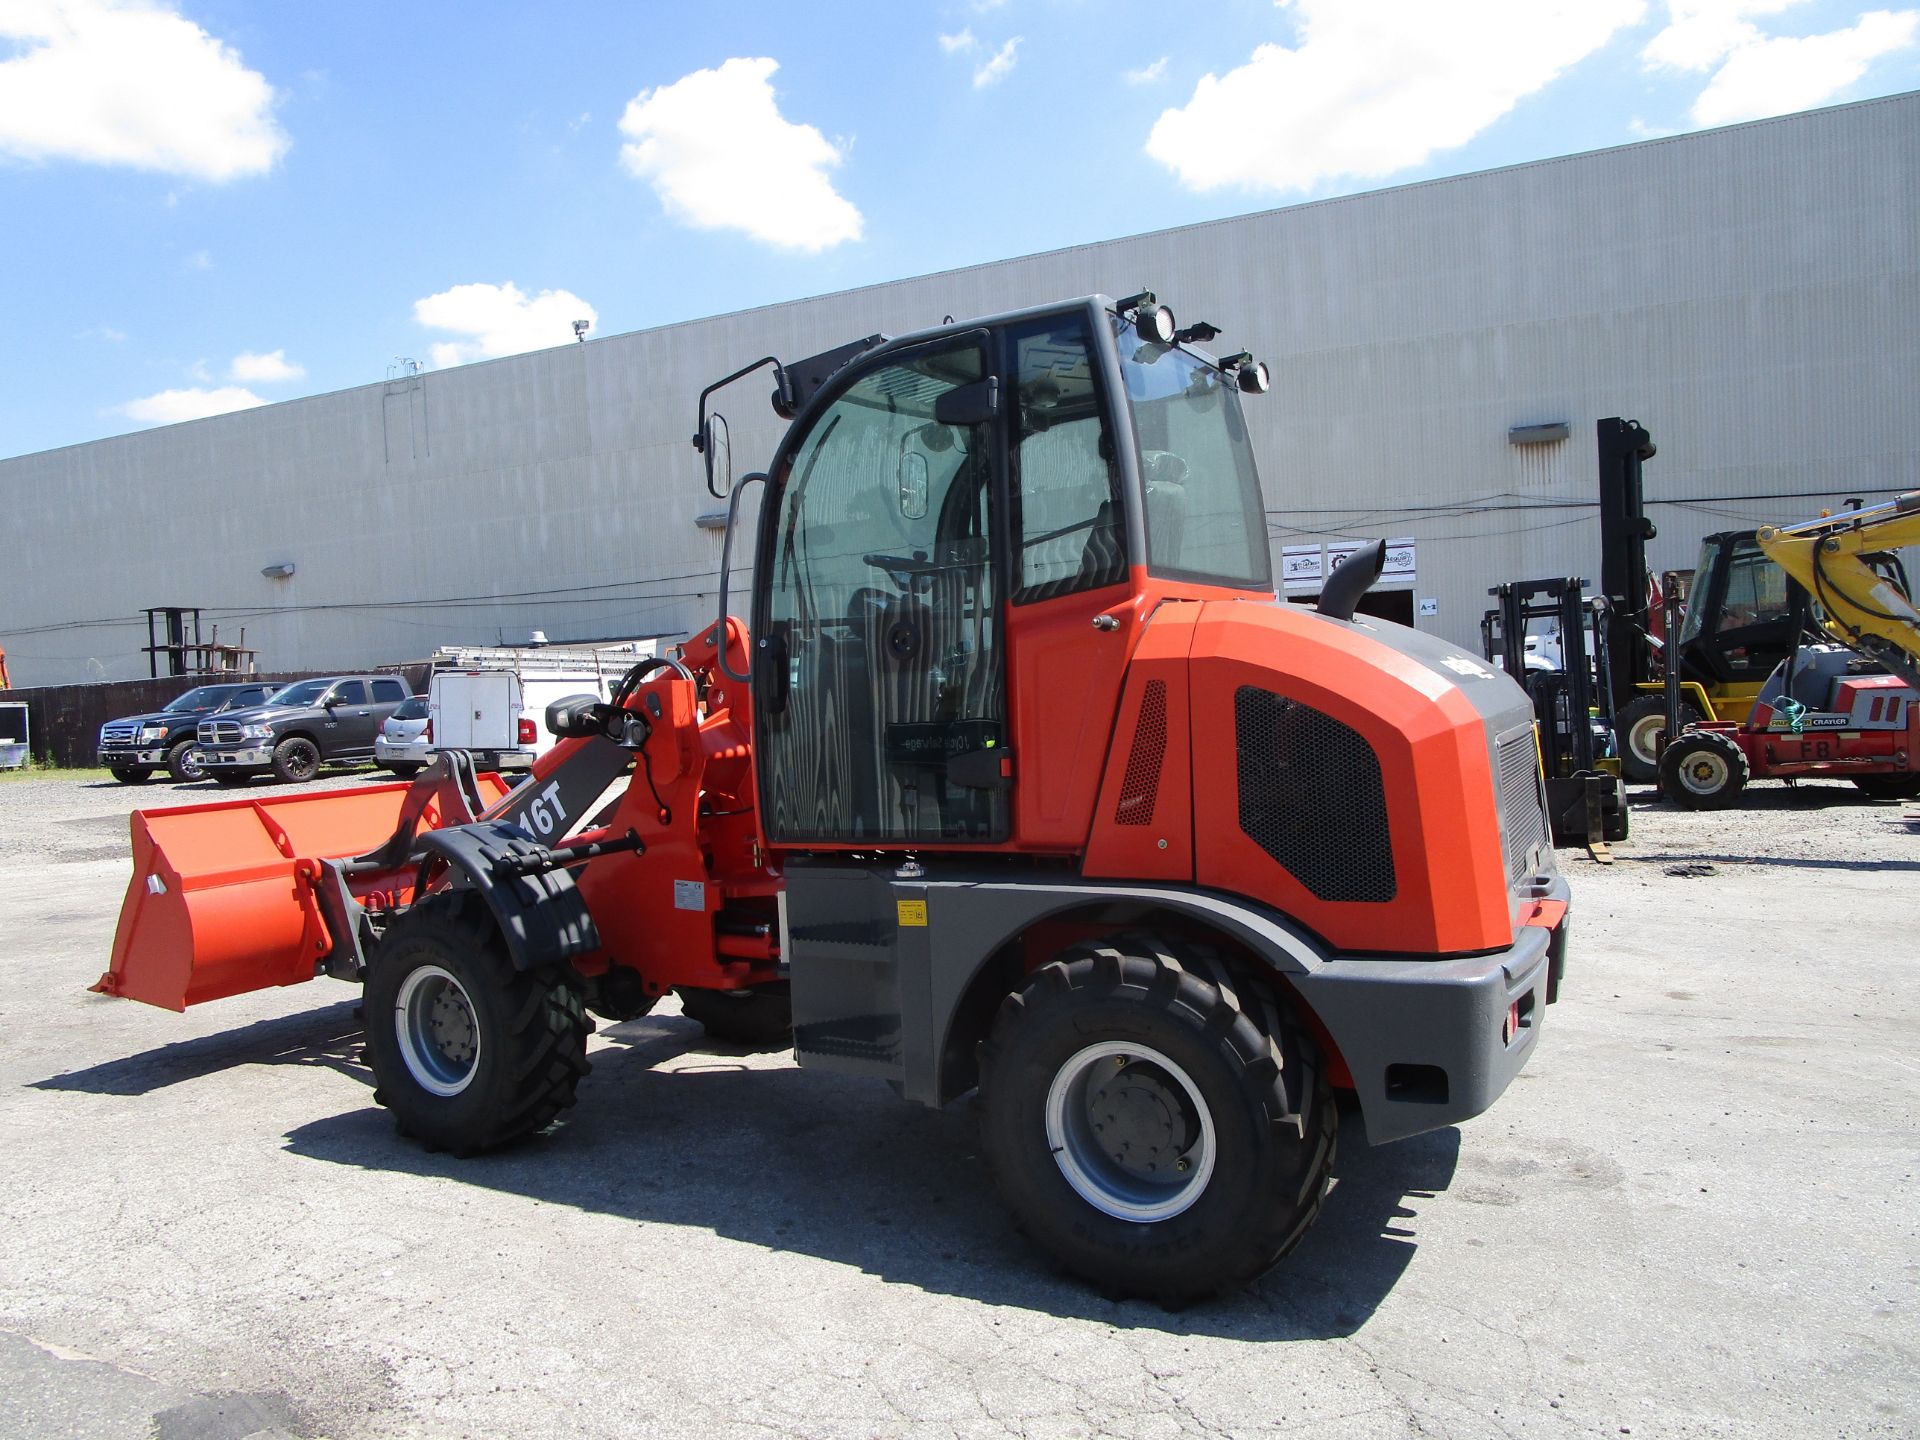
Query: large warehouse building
[1751, 295]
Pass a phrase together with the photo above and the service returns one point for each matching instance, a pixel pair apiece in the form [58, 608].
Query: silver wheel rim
[1130, 1131]
[1643, 738]
[1705, 773]
[438, 1030]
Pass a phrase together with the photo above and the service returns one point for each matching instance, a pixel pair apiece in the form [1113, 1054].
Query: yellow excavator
[1840, 559]
[1843, 711]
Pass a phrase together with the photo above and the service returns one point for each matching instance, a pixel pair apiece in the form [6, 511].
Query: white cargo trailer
[492, 700]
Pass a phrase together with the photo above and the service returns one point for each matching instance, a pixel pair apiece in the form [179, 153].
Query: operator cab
[1747, 615]
[1035, 473]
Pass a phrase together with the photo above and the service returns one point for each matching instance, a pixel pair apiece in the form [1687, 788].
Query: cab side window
[350, 692]
[388, 692]
[1066, 486]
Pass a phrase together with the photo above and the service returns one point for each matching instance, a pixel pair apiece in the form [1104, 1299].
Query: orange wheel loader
[1021, 778]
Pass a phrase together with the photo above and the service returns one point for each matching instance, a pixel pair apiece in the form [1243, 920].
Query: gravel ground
[1693, 1214]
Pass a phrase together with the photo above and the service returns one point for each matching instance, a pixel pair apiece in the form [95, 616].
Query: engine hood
[158, 717]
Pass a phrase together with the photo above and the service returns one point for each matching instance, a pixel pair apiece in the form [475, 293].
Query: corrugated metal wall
[1752, 295]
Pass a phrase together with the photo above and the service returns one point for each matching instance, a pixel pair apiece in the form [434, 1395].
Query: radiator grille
[1523, 821]
[119, 734]
[218, 732]
[1311, 797]
[1140, 787]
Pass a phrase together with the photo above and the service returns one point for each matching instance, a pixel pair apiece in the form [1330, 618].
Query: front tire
[1161, 1126]
[129, 774]
[296, 759]
[469, 1052]
[1704, 770]
[1638, 729]
[760, 1018]
[181, 765]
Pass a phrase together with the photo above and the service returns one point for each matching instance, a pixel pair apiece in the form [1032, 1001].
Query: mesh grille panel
[1312, 798]
[1141, 785]
[1522, 824]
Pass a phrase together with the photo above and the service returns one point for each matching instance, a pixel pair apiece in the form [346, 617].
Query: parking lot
[1694, 1213]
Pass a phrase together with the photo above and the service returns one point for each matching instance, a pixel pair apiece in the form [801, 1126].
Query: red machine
[1829, 713]
[1022, 778]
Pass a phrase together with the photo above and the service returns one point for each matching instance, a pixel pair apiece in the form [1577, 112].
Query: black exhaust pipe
[1351, 579]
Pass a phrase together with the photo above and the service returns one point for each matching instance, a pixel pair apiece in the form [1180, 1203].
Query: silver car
[405, 741]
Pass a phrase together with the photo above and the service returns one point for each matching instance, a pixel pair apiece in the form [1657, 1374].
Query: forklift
[1573, 705]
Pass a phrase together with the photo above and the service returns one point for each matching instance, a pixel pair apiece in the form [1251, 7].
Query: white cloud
[960, 44]
[1700, 33]
[1756, 74]
[169, 407]
[130, 82]
[720, 156]
[499, 320]
[1002, 61]
[1147, 74]
[1374, 87]
[200, 260]
[272, 366]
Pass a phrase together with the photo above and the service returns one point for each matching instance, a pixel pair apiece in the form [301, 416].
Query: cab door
[880, 684]
[350, 721]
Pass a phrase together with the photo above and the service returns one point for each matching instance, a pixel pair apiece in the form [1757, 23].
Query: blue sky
[210, 204]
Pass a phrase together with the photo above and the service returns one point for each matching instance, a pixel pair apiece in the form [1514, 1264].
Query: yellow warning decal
[912, 912]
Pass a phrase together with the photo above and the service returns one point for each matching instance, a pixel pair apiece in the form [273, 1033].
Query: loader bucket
[223, 899]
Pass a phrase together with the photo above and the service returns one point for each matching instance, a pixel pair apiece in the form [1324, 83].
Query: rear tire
[1638, 729]
[1704, 770]
[760, 1018]
[469, 1052]
[1161, 1126]
[296, 759]
[129, 774]
[1888, 787]
[181, 765]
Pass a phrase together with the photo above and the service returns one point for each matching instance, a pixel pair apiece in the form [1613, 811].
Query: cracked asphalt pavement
[1694, 1214]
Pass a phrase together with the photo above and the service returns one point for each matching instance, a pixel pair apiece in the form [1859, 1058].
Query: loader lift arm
[1864, 607]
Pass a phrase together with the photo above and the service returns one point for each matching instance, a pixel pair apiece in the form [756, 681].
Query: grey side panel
[1424, 1039]
[873, 996]
[845, 962]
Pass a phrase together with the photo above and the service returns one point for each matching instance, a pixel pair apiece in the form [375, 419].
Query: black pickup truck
[307, 724]
[135, 746]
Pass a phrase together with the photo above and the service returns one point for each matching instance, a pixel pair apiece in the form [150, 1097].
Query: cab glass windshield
[201, 697]
[301, 692]
[1205, 518]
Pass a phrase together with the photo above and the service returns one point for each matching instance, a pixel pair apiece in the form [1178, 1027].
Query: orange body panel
[657, 913]
[1448, 899]
[1143, 826]
[221, 900]
[1065, 679]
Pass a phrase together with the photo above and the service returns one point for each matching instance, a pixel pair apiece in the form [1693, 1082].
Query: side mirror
[913, 486]
[329, 700]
